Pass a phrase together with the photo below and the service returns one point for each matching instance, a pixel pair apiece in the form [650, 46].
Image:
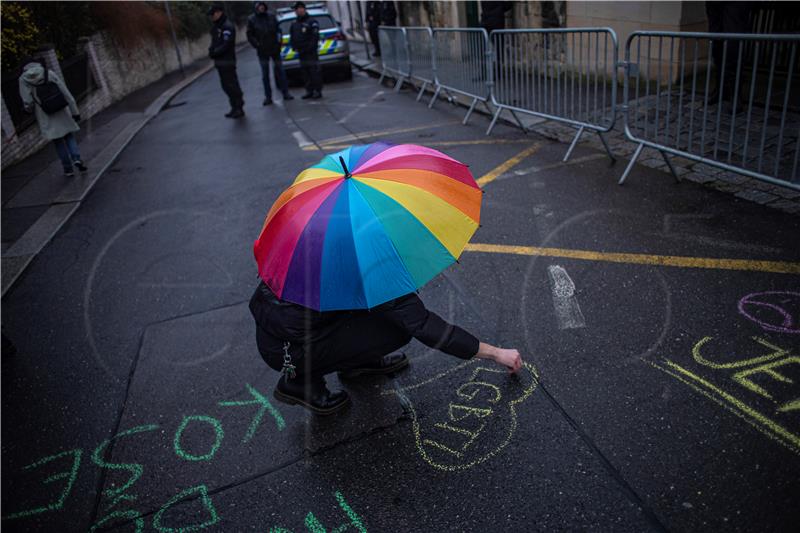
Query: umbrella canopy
[367, 225]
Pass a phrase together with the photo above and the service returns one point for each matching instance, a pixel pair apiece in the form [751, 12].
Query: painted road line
[574, 161]
[356, 137]
[498, 170]
[568, 311]
[359, 107]
[454, 143]
[302, 141]
[760, 422]
[753, 265]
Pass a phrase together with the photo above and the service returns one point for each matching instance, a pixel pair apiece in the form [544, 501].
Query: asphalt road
[659, 325]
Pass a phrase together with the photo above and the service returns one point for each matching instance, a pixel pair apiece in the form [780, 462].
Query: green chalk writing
[122, 497]
[70, 476]
[135, 469]
[266, 406]
[313, 525]
[188, 494]
[355, 520]
[218, 436]
[121, 516]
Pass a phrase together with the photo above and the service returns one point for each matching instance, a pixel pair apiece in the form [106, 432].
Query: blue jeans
[67, 149]
[277, 71]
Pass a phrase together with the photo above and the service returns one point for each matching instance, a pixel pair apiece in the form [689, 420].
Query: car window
[325, 23]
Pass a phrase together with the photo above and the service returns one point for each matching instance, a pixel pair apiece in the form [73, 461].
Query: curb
[17, 258]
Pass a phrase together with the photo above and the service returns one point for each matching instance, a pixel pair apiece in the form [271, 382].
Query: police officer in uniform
[373, 21]
[264, 35]
[304, 38]
[223, 52]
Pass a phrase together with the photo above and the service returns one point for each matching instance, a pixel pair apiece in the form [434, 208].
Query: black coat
[223, 43]
[373, 15]
[300, 325]
[304, 36]
[388, 14]
[493, 14]
[264, 34]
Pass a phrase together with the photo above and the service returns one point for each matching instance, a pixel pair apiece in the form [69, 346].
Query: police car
[334, 52]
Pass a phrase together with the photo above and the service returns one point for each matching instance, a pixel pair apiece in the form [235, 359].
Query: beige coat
[52, 126]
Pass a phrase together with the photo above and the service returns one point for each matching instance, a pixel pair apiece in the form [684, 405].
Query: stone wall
[117, 71]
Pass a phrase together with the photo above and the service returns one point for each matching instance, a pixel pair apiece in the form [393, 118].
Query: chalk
[70, 476]
[355, 520]
[188, 494]
[785, 322]
[121, 516]
[135, 469]
[460, 461]
[266, 406]
[568, 312]
[218, 436]
[775, 354]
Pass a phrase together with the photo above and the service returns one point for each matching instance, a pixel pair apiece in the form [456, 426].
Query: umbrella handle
[346, 172]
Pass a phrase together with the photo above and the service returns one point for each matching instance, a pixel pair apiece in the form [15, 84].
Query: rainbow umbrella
[367, 225]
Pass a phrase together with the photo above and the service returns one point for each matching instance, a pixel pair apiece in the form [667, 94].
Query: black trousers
[230, 84]
[373, 36]
[312, 73]
[359, 341]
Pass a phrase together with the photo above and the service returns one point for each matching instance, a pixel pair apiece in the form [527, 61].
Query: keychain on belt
[288, 368]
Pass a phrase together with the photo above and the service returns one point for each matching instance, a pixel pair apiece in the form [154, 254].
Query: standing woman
[45, 94]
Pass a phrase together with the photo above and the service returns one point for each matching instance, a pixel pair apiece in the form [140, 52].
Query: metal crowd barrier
[727, 100]
[567, 75]
[420, 53]
[394, 54]
[462, 60]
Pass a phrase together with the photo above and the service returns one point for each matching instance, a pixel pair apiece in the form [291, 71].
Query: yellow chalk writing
[776, 353]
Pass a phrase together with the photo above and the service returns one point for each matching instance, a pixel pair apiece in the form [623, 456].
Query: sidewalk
[774, 196]
[37, 199]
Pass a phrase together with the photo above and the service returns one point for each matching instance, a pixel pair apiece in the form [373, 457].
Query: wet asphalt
[653, 398]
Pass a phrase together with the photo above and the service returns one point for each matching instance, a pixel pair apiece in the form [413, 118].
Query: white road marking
[534, 169]
[359, 108]
[302, 140]
[566, 305]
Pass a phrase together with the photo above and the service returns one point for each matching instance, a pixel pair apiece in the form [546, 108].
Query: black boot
[317, 95]
[307, 96]
[315, 397]
[236, 113]
[288, 96]
[385, 365]
[267, 101]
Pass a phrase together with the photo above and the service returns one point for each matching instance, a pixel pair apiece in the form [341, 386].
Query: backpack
[51, 99]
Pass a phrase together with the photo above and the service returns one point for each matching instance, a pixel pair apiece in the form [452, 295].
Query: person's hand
[509, 358]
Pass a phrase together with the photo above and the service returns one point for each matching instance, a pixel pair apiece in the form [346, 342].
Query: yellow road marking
[739, 408]
[496, 171]
[351, 137]
[450, 143]
[754, 265]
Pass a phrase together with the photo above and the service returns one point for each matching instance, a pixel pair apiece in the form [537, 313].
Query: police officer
[304, 38]
[373, 21]
[388, 13]
[264, 34]
[223, 52]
